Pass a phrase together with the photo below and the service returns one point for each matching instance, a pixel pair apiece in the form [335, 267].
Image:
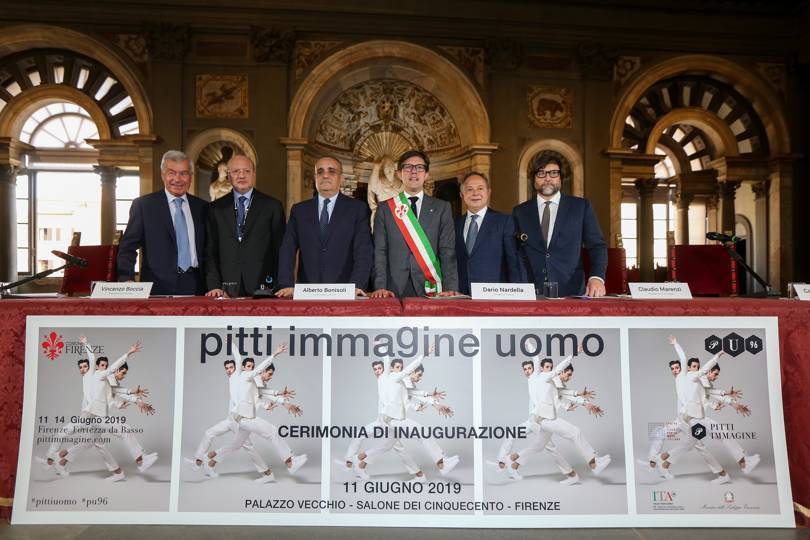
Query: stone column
[726, 191]
[646, 189]
[759, 248]
[108, 175]
[682, 201]
[8, 222]
[295, 170]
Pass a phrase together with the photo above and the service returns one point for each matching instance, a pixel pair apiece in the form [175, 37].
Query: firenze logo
[698, 431]
[733, 344]
[728, 497]
[53, 345]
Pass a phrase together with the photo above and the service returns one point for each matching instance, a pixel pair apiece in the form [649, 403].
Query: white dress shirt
[553, 207]
[420, 197]
[481, 213]
[330, 208]
[192, 246]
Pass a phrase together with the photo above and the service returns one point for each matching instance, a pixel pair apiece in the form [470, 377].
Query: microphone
[720, 237]
[71, 259]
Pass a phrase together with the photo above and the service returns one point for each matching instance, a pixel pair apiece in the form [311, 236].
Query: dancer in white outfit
[547, 394]
[228, 425]
[248, 397]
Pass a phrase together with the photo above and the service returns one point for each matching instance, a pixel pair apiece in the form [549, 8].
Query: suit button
[544, 270]
[548, 255]
[323, 250]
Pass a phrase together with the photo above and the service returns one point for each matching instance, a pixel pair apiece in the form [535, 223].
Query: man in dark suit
[551, 230]
[169, 228]
[331, 235]
[485, 238]
[403, 259]
[244, 234]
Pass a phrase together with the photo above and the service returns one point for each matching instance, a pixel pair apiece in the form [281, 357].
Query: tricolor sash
[417, 241]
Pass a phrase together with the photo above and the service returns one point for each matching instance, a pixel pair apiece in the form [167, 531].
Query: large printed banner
[456, 422]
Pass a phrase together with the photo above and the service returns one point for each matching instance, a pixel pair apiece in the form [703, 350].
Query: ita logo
[53, 345]
[663, 496]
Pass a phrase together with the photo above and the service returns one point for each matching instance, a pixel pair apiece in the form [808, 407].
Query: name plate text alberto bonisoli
[323, 291]
[502, 291]
[123, 289]
[660, 291]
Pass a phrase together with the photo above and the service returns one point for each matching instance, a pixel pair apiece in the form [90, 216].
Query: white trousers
[221, 428]
[392, 443]
[260, 427]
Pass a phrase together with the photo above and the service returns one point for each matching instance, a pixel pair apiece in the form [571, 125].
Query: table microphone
[720, 237]
[71, 259]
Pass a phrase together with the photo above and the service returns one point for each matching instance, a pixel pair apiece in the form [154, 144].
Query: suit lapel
[534, 233]
[483, 230]
[426, 213]
[166, 215]
[338, 213]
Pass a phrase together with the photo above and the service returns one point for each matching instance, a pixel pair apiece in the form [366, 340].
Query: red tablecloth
[794, 348]
[794, 338]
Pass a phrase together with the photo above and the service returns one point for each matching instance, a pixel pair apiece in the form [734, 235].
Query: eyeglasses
[414, 168]
[551, 174]
[174, 174]
[238, 172]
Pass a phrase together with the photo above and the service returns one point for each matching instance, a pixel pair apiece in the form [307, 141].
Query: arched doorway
[376, 99]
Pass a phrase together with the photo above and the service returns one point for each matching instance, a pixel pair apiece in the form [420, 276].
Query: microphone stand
[768, 292]
[45, 273]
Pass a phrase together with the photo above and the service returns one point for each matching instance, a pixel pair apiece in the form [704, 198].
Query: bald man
[330, 234]
[243, 234]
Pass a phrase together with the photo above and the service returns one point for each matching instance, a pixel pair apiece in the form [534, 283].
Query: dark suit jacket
[150, 228]
[395, 265]
[574, 227]
[250, 261]
[494, 257]
[344, 257]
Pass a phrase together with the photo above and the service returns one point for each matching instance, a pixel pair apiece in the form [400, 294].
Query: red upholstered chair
[616, 274]
[708, 269]
[100, 266]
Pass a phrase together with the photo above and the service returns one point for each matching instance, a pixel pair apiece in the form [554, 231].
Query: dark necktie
[472, 233]
[413, 206]
[240, 217]
[324, 219]
[545, 222]
[181, 234]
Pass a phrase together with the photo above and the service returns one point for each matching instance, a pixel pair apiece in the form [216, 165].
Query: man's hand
[140, 392]
[734, 393]
[270, 405]
[359, 292]
[571, 407]
[280, 349]
[382, 293]
[215, 293]
[83, 339]
[448, 293]
[587, 394]
[443, 410]
[287, 394]
[431, 349]
[595, 410]
[672, 340]
[741, 409]
[145, 408]
[136, 347]
[421, 407]
[293, 409]
[595, 288]
[438, 394]
[286, 292]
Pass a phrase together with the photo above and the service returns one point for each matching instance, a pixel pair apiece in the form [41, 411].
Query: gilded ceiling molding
[596, 60]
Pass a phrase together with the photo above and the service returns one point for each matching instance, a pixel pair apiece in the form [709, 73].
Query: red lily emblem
[53, 345]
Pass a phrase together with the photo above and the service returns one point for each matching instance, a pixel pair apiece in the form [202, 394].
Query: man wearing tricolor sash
[414, 238]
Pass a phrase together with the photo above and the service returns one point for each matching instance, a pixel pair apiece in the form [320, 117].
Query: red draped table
[794, 346]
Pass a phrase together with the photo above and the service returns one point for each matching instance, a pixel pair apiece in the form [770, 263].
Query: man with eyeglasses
[169, 228]
[414, 240]
[552, 229]
[244, 234]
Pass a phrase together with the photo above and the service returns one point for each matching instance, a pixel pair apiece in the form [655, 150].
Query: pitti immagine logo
[734, 344]
[53, 345]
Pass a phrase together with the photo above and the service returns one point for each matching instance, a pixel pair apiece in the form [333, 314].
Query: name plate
[323, 291]
[802, 291]
[502, 291]
[123, 289]
[660, 291]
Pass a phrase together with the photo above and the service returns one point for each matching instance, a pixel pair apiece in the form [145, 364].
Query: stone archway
[571, 154]
[755, 151]
[419, 79]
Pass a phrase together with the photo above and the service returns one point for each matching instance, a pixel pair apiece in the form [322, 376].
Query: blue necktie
[240, 217]
[472, 233]
[181, 232]
[324, 219]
